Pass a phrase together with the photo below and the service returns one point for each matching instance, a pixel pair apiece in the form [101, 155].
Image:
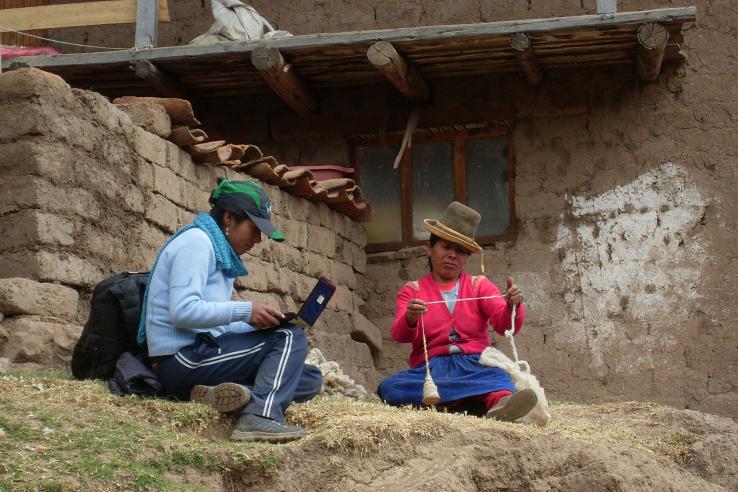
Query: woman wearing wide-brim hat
[455, 332]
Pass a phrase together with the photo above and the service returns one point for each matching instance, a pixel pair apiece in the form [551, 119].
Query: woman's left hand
[513, 293]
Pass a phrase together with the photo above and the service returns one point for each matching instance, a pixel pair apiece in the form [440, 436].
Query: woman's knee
[311, 383]
[296, 338]
[297, 333]
[384, 389]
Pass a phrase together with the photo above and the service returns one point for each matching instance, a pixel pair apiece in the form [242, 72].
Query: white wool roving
[522, 378]
[335, 382]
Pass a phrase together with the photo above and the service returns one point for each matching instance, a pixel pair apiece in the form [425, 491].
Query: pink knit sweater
[469, 319]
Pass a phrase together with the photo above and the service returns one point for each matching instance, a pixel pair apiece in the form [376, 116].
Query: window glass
[381, 186]
[487, 187]
[433, 183]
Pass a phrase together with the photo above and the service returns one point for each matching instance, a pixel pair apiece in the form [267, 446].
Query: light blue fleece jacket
[187, 295]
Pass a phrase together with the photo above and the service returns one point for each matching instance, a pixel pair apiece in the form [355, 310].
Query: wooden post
[147, 22]
[404, 76]
[282, 79]
[160, 82]
[520, 42]
[652, 40]
[607, 6]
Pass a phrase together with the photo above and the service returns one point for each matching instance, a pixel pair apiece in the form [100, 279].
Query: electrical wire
[6, 29]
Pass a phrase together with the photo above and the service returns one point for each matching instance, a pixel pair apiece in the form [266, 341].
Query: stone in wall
[150, 116]
[364, 331]
[22, 296]
[29, 340]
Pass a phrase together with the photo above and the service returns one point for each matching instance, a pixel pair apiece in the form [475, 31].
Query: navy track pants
[271, 363]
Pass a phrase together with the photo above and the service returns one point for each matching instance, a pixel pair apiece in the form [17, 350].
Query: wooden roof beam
[296, 45]
[403, 75]
[652, 40]
[158, 80]
[520, 42]
[283, 80]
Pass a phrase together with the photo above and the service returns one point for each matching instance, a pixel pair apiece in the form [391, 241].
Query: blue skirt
[456, 376]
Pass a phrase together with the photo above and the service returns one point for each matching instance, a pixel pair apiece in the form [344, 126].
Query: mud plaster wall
[190, 18]
[627, 248]
[624, 195]
[625, 198]
[85, 193]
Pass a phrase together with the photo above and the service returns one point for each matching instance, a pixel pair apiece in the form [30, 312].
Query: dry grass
[61, 434]
[622, 424]
[361, 428]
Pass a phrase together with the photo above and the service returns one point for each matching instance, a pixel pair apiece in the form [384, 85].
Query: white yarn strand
[508, 333]
[430, 390]
[463, 299]
[425, 348]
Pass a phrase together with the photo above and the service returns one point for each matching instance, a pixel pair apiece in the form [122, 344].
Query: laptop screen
[316, 301]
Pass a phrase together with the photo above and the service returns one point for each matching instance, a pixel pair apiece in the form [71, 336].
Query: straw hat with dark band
[458, 224]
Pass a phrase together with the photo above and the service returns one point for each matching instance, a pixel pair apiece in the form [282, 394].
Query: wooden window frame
[458, 138]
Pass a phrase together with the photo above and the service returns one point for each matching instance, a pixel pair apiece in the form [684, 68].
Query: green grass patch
[60, 434]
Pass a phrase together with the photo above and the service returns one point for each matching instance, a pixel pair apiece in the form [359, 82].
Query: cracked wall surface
[631, 259]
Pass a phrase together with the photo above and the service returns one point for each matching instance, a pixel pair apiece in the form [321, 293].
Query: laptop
[313, 306]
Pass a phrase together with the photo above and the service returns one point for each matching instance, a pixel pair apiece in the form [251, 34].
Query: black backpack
[112, 327]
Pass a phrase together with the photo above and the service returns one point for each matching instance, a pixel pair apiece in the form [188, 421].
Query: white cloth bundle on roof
[237, 21]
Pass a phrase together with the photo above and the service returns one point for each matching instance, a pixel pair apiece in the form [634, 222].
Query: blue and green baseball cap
[251, 198]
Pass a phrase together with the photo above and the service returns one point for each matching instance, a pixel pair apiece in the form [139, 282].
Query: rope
[61, 42]
[463, 299]
[425, 347]
[508, 333]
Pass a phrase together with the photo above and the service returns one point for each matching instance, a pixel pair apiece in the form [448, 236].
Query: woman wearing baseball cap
[208, 348]
[455, 332]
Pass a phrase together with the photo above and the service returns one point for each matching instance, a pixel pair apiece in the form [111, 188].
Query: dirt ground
[623, 446]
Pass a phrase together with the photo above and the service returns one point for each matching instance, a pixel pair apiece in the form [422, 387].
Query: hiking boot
[226, 397]
[513, 407]
[255, 428]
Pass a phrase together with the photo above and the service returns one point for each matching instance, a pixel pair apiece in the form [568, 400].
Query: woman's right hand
[415, 308]
[264, 316]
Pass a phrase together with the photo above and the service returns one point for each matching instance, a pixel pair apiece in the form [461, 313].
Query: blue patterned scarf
[226, 260]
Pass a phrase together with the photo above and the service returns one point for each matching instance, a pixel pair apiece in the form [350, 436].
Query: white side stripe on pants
[218, 358]
[280, 372]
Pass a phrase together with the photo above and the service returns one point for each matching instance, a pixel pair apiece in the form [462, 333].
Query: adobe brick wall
[85, 193]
